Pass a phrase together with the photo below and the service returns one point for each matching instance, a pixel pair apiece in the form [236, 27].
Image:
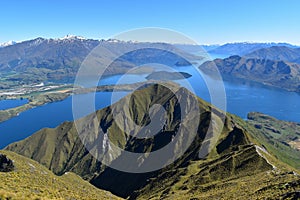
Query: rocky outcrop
[6, 164]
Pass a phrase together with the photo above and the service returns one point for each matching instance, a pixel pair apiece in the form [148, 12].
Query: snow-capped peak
[72, 37]
[9, 43]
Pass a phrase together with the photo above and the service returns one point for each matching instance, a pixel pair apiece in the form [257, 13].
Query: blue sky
[207, 22]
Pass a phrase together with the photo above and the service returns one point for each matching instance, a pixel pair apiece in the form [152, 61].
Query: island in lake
[164, 75]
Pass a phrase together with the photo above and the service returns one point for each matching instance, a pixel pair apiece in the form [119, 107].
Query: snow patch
[71, 37]
[9, 43]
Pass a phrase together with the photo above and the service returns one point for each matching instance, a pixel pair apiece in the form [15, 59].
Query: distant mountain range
[40, 59]
[244, 48]
[58, 59]
[276, 73]
[230, 49]
[237, 165]
[283, 53]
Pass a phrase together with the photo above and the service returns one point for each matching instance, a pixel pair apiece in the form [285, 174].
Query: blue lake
[6, 104]
[242, 98]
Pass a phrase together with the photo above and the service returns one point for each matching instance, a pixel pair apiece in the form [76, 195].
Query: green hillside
[279, 137]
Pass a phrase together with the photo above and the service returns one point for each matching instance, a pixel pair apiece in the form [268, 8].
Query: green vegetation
[30, 180]
[262, 185]
[281, 138]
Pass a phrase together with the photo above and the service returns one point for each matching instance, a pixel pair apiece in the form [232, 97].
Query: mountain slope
[280, 74]
[30, 180]
[233, 155]
[277, 53]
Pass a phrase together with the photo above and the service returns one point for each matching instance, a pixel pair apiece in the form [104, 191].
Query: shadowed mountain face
[230, 155]
[275, 73]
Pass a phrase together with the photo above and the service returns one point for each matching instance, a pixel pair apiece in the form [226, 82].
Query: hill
[279, 74]
[30, 180]
[233, 161]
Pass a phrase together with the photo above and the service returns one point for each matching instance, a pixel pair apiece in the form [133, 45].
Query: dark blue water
[49, 115]
[6, 104]
[242, 97]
